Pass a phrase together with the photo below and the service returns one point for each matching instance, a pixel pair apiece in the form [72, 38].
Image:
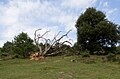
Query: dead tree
[50, 43]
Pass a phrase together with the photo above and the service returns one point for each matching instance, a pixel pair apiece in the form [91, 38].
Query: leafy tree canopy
[23, 44]
[95, 32]
[7, 47]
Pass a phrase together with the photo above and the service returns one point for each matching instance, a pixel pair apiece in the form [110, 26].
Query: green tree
[95, 32]
[23, 44]
[119, 35]
[7, 48]
[0, 50]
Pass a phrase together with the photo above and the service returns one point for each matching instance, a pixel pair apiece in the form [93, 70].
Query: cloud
[109, 10]
[78, 3]
[105, 4]
[112, 11]
[29, 15]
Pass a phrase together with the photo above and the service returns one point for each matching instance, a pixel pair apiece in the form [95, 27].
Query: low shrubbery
[85, 53]
[6, 56]
[113, 58]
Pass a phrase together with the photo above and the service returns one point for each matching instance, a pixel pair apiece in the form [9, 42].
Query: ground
[58, 68]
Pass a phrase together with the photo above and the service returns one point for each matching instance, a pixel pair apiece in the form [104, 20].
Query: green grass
[58, 68]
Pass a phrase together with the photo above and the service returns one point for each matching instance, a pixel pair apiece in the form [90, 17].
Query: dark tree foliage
[23, 45]
[7, 48]
[0, 50]
[95, 32]
[119, 35]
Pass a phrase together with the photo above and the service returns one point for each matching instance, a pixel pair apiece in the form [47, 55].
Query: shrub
[111, 57]
[119, 61]
[101, 52]
[85, 53]
[4, 55]
[16, 56]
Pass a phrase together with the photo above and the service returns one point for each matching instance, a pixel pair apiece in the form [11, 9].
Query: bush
[119, 61]
[85, 54]
[101, 52]
[111, 57]
[16, 56]
[4, 55]
[118, 50]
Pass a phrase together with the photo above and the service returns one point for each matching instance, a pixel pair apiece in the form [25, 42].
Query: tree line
[95, 34]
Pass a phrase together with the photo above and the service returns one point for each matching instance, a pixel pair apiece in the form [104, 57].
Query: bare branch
[43, 34]
[64, 35]
[35, 36]
[66, 42]
[61, 37]
[54, 39]
[55, 42]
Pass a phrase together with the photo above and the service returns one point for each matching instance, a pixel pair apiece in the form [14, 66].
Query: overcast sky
[18, 16]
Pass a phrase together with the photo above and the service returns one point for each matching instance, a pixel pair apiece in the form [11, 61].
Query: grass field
[58, 68]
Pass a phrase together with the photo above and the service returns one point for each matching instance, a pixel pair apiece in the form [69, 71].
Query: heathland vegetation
[95, 55]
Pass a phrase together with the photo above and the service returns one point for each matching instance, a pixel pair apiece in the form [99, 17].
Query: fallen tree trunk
[51, 46]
